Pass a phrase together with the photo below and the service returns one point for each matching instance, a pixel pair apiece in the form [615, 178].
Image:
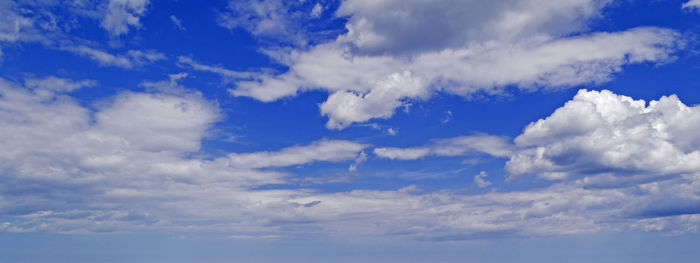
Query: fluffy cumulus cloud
[599, 132]
[605, 138]
[397, 51]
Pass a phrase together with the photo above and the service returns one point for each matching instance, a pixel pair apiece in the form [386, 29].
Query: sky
[349, 131]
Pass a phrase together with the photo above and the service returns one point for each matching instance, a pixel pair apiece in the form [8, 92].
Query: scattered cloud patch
[324, 150]
[448, 117]
[130, 59]
[344, 108]
[177, 23]
[317, 11]
[52, 83]
[288, 22]
[480, 180]
[361, 158]
[457, 146]
[50, 23]
[119, 15]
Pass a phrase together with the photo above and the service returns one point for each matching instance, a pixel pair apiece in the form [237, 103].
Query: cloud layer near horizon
[73, 170]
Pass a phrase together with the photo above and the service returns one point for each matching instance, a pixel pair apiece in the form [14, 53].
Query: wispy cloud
[130, 59]
[458, 146]
[177, 23]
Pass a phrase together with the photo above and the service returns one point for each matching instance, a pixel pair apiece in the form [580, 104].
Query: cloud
[130, 164]
[385, 60]
[130, 59]
[416, 26]
[317, 11]
[691, 5]
[324, 150]
[361, 158]
[609, 140]
[119, 15]
[457, 146]
[177, 23]
[559, 209]
[288, 22]
[50, 23]
[16, 26]
[344, 108]
[173, 123]
[56, 84]
[480, 181]
[599, 132]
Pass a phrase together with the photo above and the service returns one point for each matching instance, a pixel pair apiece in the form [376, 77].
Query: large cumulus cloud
[599, 132]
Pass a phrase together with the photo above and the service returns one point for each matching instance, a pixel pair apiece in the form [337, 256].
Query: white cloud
[130, 59]
[69, 169]
[177, 23]
[119, 15]
[691, 5]
[285, 21]
[393, 26]
[12, 25]
[447, 118]
[172, 124]
[18, 26]
[129, 164]
[457, 146]
[361, 158]
[599, 132]
[50, 21]
[56, 84]
[344, 108]
[556, 210]
[530, 44]
[317, 11]
[480, 181]
[39, 24]
[324, 150]
[609, 140]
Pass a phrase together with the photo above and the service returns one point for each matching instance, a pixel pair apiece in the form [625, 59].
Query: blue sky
[346, 131]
